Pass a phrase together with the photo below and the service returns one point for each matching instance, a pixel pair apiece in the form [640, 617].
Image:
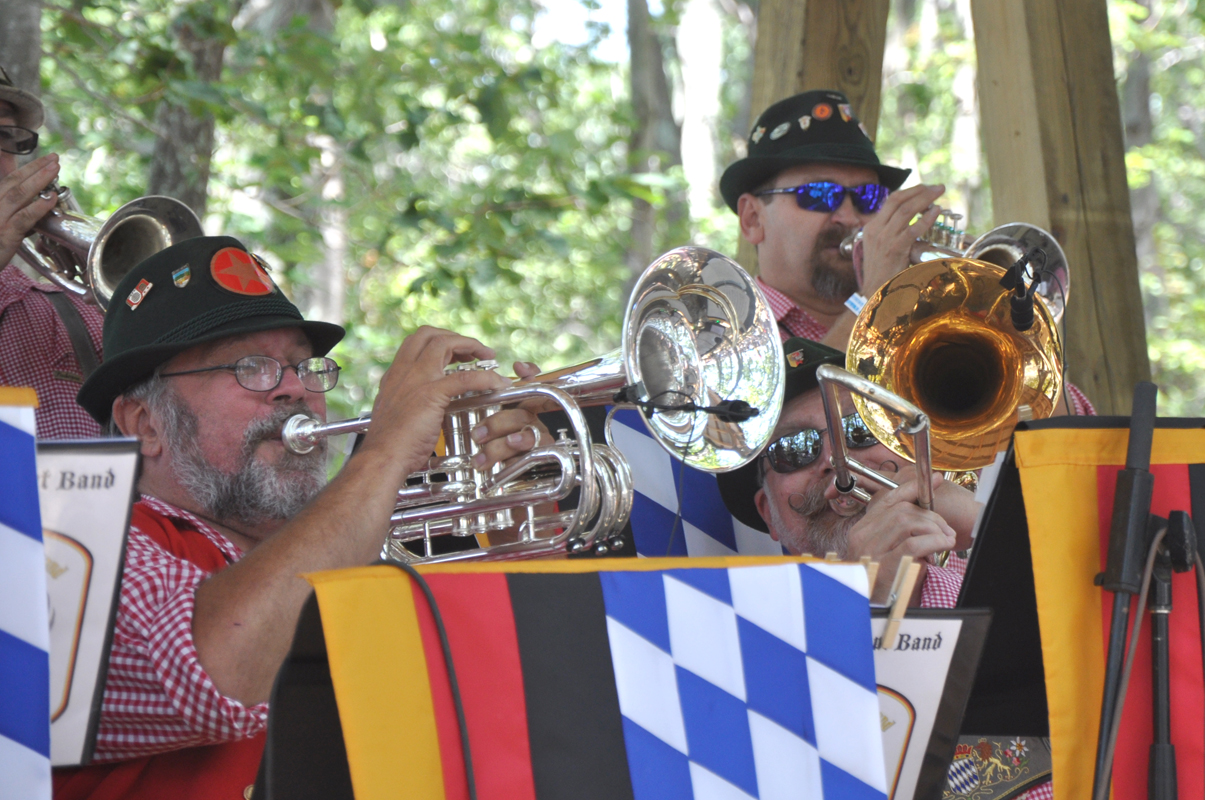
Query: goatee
[833, 277]
[256, 491]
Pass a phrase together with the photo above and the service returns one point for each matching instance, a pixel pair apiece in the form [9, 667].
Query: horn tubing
[913, 421]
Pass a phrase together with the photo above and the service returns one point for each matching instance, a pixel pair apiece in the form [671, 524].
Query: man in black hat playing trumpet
[205, 359]
[810, 179]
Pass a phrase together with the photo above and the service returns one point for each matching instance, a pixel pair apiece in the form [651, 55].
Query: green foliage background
[485, 180]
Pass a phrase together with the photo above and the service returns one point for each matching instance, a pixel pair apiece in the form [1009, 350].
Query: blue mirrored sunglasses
[827, 196]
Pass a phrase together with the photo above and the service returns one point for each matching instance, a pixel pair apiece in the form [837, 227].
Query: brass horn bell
[940, 335]
[88, 258]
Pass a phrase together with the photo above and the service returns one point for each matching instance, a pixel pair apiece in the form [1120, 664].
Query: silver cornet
[88, 258]
[701, 360]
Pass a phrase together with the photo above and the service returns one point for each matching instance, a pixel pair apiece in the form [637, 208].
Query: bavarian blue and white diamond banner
[24, 624]
[663, 485]
[748, 682]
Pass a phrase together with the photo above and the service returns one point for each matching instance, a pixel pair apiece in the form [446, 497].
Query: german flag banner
[1068, 478]
[650, 678]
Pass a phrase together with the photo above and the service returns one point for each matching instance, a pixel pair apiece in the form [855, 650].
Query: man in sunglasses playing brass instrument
[205, 359]
[810, 179]
[47, 336]
[790, 492]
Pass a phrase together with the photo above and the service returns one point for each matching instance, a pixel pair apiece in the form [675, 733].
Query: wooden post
[818, 44]
[1051, 128]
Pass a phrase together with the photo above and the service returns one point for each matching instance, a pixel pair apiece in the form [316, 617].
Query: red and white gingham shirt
[158, 697]
[792, 320]
[35, 350]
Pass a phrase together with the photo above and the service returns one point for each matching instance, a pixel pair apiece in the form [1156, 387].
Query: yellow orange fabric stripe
[18, 396]
[1059, 480]
[379, 672]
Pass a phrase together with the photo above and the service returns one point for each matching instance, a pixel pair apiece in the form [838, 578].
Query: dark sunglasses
[264, 373]
[827, 196]
[17, 140]
[797, 450]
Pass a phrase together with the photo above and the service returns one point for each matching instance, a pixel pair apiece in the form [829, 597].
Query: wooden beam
[1051, 127]
[819, 44]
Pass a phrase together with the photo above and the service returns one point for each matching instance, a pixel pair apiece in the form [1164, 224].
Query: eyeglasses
[827, 196]
[797, 450]
[264, 373]
[17, 140]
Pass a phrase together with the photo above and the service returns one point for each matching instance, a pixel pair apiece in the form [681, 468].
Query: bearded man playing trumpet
[205, 359]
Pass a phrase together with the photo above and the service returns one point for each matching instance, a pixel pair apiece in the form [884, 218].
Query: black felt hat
[196, 291]
[817, 126]
[802, 357]
[29, 113]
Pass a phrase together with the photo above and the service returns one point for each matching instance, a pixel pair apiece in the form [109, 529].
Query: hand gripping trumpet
[701, 361]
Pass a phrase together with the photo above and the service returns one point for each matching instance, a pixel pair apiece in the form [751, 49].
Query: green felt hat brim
[115, 376]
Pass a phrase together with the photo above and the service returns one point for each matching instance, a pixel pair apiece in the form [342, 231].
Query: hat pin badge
[780, 131]
[182, 276]
[757, 134]
[139, 293]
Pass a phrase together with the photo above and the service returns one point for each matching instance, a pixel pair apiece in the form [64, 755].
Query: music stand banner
[87, 490]
[734, 677]
[1067, 477]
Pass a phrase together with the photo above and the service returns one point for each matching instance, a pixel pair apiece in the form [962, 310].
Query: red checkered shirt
[792, 320]
[35, 350]
[158, 697]
[940, 589]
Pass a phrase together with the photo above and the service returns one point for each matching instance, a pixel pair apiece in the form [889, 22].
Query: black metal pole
[1161, 770]
[1123, 568]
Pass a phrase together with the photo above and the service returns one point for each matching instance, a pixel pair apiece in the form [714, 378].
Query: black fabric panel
[304, 756]
[1196, 487]
[1009, 694]
[1093, 423]
[573, 721]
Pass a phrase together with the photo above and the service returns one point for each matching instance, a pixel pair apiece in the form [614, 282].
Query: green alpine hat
[738, 487]
[193, 292]
[817, 126]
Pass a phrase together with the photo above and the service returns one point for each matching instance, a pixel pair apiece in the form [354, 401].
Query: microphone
[1020, 304]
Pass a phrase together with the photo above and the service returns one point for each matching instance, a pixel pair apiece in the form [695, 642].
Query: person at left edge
[205, 359]
[36, 348]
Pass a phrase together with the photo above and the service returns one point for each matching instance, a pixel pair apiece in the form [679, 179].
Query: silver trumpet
[1001, 246]
[698, 335]
[88, 258]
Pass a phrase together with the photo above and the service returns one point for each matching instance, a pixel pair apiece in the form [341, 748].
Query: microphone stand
[1123, 570]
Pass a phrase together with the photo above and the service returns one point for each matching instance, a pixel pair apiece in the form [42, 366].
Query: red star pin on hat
[237, 271]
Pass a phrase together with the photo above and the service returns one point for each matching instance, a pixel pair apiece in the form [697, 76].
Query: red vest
[215, 772]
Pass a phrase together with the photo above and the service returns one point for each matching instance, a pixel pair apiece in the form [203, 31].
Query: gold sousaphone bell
[939, 372]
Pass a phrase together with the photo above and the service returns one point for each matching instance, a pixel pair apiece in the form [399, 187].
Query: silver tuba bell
[698, 341]
[88, 258]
